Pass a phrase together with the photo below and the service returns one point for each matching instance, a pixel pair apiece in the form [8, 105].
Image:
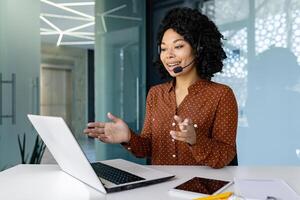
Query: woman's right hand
[116, 131]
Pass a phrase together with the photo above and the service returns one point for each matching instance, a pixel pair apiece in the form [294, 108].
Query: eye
[178, 46]
[162, 49]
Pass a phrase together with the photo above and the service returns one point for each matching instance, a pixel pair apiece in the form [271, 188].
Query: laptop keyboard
[114, 175]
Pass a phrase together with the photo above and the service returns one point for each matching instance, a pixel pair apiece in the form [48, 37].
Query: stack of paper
[263, 189]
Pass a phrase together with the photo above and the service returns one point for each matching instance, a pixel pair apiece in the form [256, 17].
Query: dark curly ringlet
[198, 30]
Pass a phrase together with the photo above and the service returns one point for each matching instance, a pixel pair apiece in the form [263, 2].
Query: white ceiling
[68, 23]
[73, 23]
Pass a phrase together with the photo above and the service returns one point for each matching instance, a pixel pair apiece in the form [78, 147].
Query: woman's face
[175, 51]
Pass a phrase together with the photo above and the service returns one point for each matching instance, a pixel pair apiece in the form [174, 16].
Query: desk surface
[29, 182]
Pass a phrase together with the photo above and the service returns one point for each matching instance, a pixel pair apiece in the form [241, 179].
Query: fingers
[183, 127]
[112, 117]
[187, 121]
[183, 124]
[178, 119]
[180, 122]
[186, 136]
[178, 135]
[96, 124]
[98, 133]
[94, 132]
[187, 131]
[94, 135]
[102, 124]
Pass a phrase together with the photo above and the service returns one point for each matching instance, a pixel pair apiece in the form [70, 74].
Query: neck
[184, 81]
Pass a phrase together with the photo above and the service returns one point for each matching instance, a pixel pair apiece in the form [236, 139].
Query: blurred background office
[80, 59]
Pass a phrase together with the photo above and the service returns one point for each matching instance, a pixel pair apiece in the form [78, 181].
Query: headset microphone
[180, 69]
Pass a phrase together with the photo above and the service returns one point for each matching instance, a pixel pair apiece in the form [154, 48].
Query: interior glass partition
[263, 67]
[120, 67]
[19, 77]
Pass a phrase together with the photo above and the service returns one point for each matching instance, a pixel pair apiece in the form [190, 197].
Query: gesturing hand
[116, 131]
[187, 131]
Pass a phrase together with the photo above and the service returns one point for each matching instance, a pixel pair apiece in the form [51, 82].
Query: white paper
[262, 188]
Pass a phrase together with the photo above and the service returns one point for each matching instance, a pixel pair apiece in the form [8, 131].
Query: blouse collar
[199, 84]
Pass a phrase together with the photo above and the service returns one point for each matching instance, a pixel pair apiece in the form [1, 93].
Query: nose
[170, 53]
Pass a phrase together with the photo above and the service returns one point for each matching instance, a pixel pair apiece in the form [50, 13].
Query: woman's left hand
[187, 131]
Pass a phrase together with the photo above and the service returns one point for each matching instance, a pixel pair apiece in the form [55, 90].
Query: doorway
[56, 96]
[56, 91]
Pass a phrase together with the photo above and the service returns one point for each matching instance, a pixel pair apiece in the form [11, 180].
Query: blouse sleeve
[220, 148]
[140, 145]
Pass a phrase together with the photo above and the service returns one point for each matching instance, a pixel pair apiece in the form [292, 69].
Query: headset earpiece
[199, 48]
[158, 49]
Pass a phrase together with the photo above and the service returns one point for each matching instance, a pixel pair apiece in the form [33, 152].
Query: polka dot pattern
[213, 109]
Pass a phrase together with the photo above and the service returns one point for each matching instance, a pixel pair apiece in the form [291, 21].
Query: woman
[189, 120]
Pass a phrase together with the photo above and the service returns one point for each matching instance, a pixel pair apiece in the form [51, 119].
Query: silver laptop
[105, 176]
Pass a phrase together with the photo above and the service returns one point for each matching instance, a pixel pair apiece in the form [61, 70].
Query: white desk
[43, 182]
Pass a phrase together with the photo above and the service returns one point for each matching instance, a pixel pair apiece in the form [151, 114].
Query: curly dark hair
[201, 33]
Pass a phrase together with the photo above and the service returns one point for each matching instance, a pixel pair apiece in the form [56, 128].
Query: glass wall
[120, 67]
[19, 76]
[263, 68]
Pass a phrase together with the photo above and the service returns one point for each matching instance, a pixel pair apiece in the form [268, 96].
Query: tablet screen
[202, 185]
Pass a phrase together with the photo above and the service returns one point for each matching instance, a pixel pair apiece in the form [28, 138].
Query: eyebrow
[175, 40]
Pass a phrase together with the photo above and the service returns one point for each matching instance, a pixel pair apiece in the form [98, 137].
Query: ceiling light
[66, 17]
[114, 9]
[79, 27]
[47, 18]
[83, 33]
[103, 24]
[45, 29]
[124, 17]
[50, 24]
[50, 33]
[77, 43]
[67, 9]
[59, 39]
[77, 4]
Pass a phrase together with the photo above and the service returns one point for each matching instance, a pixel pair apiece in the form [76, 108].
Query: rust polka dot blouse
[213, 109]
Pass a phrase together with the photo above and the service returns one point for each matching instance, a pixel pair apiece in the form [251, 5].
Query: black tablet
[199, 186]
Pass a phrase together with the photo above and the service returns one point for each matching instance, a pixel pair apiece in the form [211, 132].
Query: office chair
[234, 162]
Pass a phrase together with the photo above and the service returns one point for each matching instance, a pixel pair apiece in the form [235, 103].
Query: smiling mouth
[172, 65]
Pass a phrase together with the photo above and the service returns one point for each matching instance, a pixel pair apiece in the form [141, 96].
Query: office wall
[74, 61]
[119, 67]
[262, 45]
[263, 65]
[19, 55]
